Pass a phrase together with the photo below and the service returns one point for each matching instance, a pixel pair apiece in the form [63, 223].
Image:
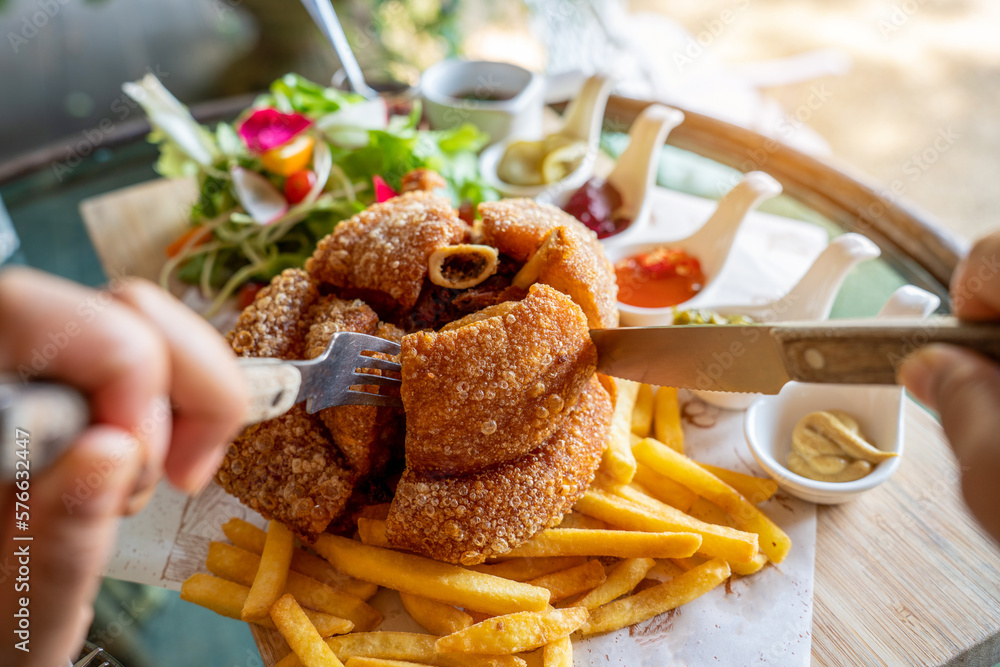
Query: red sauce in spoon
[662, 277]
[595, 204]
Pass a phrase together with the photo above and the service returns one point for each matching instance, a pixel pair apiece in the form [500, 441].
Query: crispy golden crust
[287, 465]
[331, 315]
[386, 247]
[275, 324]
[288, 470]
[496, 388]
[422, 179]
[563, 266]
[471, 518]
[365, 434]
[518, 227]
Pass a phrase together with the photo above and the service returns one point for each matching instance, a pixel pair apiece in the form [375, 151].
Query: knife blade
[763, 357]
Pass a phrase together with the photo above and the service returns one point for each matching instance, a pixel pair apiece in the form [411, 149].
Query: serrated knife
[763, 357]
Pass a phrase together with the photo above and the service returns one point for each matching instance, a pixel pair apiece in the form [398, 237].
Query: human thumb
[64, 527]
[964, 387]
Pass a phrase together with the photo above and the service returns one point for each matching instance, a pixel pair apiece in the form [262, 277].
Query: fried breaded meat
[575, 263]
[313, 459]
[286, 469]
[469, 518]
[504, 419]
[495, 385]
[385, 248]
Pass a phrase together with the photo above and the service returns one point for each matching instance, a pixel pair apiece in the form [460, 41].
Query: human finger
[964, 388]
[975, 286]
[206, 385]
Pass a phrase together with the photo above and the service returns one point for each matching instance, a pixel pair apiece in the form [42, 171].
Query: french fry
[665, 569]
[773, 541]
[438, 581]
[226, 598]
[618, 543]
[513, 633]
[373, 532]
[249, 537]
[379, 662]
[708, 512]
[754, 566]
[562, 585]
[664, 489]
[406, 647]
[235, 564]
[667, 419]
[618, 461]
[577, 520]
[523, 569]
[754, 489]
[688, 564]
[438, 618]
[620, 580]
[558, 653]
[657, 599]
[642, 413]
[269, 582]
[302, 637]
[728, 543]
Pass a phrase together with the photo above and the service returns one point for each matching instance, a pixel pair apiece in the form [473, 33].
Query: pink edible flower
[383, 190]
[265, 129]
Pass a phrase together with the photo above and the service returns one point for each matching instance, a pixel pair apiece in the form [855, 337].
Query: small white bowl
[769, 423]
[447, 85]
[582, 121]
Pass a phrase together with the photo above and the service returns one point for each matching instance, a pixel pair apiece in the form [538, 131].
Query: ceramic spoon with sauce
[620, 205]
[581, 128]
[709, 248]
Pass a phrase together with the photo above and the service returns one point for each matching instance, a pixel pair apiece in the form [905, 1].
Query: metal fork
[50, 415]
[328, 380]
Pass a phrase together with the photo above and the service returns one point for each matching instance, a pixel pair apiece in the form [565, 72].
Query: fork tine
[369, 379]
[352, 397]
[380, 364]
[374, 344]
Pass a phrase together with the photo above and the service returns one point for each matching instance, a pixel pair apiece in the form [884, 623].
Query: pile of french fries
[655, 530]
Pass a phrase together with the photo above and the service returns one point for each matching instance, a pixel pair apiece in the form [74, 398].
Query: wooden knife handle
[870, 353]
[273, 386]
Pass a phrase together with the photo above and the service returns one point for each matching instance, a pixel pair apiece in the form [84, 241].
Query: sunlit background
[890, 79]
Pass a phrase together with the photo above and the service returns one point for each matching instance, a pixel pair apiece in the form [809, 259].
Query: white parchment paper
[763, 618]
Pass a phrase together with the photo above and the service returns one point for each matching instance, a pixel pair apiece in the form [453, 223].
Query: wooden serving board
[903, 575]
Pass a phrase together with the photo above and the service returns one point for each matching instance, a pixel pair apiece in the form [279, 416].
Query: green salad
[279, 178]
